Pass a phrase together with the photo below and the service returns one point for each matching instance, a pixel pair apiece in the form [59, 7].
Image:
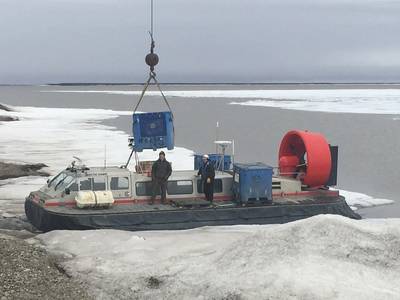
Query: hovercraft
[82, 197]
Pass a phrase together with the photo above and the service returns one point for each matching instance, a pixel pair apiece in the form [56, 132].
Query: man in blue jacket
[160, 173]
[207, 173]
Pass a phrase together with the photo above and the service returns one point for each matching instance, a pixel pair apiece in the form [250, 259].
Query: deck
[195, 204]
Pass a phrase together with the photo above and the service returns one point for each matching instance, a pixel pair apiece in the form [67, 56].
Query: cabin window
[73, 187]
[99, 184]
[145, 188]
[93, 184]
[217, 186]
[85, 185]
[178, 187]
[119, 183]
[174, 187]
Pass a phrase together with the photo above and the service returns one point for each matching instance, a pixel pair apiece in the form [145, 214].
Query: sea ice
[371, 101]
[357, 200]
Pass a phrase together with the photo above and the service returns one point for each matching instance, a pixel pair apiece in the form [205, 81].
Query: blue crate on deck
[153, 130]
[214, 158]
[252, 182]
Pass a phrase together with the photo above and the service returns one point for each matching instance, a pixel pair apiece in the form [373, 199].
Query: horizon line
[201, 83]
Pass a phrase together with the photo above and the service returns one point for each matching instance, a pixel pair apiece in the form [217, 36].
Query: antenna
[105, 156]
[233, 152]
[216, 136]
[78, 159]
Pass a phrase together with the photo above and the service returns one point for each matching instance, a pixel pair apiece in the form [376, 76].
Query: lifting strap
[152, 76]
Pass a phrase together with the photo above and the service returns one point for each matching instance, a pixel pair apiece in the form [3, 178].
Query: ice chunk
[358, 200]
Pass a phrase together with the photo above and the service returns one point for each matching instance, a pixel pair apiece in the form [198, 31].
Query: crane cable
[151, 60]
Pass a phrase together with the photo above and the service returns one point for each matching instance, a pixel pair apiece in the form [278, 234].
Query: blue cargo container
[214, 158]
[252, 182]
[153, 131]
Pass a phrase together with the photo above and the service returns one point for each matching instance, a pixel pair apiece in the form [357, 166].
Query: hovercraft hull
[46, 219]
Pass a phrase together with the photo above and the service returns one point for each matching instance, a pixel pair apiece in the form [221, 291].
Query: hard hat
[205, 156]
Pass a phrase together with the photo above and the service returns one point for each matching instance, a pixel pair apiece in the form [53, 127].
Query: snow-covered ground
[370, 101]
[323, 257]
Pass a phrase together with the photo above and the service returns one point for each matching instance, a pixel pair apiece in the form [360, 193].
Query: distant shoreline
[13, 170]
[210, 83]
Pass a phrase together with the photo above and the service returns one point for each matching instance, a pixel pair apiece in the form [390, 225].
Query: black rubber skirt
[47, 220]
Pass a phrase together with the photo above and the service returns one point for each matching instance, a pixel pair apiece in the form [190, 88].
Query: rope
[152, 75]
[143, 92]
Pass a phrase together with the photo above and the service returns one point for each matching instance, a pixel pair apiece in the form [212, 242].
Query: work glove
[208, 180]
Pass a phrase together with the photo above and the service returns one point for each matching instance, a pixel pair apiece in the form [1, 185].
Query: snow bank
[323, 257]
[371, 101]
[54, 135]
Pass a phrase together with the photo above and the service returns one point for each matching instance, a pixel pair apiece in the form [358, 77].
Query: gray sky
[50, 41]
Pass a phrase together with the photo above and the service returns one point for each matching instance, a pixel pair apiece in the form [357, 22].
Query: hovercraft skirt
[47, 220]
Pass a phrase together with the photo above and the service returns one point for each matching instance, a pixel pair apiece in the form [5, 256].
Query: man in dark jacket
[160, 172]
[207, 173]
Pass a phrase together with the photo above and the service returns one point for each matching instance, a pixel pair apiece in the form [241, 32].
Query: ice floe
[357, 200]
[323, 257]
[370, 101]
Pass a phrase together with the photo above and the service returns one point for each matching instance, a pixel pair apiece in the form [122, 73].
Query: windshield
[61, 181]
[64, 182]
[56, 179]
